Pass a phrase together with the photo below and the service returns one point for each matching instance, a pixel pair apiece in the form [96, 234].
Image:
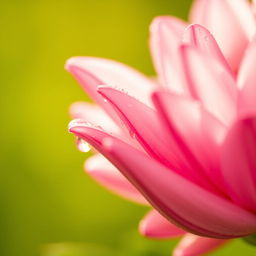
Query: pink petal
[210, 83]
[199, 37]
[165, 38]
[231, 22]
[93, 114]
[111, 73]
[246, 82]
[154, 225]
[239, 162]
[90, 83]
[196, 132]
[176, 198]
[192, 245]
[143, 124]
[100, 169]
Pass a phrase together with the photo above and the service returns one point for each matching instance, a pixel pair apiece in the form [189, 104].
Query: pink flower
[187, 142]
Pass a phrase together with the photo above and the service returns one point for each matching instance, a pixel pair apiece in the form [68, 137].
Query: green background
[49, 207]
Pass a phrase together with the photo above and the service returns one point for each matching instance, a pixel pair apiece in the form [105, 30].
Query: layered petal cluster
[184, 143]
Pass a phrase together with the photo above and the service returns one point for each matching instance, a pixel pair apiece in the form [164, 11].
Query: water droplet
[206, 38]
[83, 146]
[134, 136]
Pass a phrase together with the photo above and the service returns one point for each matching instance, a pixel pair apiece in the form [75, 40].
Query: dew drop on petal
[83, 146]
[206, 38]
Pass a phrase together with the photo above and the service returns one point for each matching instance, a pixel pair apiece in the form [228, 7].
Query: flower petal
[195, 245]
[154, 225]
[90, 83]
[210, 83]
[177, 199]
[228, 21]
[197, 133]
[246, 82]
[239, 162]
[93, 114]
[111, 73]
[199, 37]
[165, 38]
[100, 169]
[143, 124]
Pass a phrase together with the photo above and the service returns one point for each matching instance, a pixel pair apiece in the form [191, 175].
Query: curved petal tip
[70, 62]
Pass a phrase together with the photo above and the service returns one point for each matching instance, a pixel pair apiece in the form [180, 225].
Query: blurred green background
[49, 207]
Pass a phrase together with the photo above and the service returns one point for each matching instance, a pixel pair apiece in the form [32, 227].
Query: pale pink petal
[112, 73]
[165, 38]
[100, 169]
[247, 82]
[192, 245]
[154, 225]
[239, 162]
[199, 37]
[196, 132]
[230, 21]
[90, 84]
[177, 199]
[143, 124]
[93, 114]
[210, 83]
